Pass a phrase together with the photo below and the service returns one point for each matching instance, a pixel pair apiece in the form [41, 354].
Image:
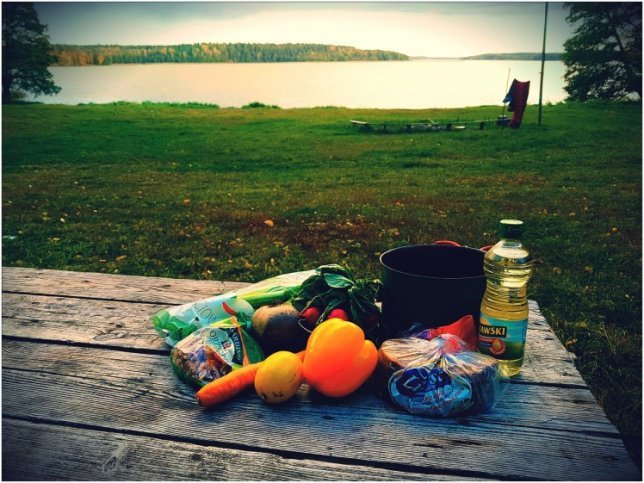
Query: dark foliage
[26, 53]
[604, 56]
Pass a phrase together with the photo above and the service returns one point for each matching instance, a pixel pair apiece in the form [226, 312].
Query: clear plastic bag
[464, 328]
[213, 351]
[439, 377]
[176, 323]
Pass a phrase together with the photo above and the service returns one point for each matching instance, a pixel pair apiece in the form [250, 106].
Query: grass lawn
[244, 194]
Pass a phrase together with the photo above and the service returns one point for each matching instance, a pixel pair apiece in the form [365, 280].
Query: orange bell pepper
[338, 359]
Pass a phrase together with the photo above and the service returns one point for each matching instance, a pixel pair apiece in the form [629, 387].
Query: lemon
[279, 377]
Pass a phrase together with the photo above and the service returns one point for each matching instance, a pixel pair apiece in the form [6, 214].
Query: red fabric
[465, 328]
[519, 99]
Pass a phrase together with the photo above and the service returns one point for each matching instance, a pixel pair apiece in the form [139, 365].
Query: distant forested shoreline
[70, 55]
[516, 56]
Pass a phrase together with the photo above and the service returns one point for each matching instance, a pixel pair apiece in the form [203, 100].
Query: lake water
[413, 84]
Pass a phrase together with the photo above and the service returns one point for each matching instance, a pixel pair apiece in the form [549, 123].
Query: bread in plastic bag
[439, 377]
[213, 351]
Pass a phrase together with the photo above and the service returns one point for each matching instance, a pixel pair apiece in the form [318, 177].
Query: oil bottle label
[502, 339]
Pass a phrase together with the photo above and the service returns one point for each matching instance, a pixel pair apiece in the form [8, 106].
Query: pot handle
[447, 242]
[454, 244]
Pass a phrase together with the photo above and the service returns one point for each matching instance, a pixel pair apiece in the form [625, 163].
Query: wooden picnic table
[89, 394]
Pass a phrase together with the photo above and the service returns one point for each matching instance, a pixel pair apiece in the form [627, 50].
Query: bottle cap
[512, 229]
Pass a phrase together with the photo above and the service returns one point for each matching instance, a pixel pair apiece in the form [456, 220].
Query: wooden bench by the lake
[89, 394]
[425, 126]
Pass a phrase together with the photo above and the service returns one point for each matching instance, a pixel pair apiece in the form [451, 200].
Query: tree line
[517, 56]
[68, 55]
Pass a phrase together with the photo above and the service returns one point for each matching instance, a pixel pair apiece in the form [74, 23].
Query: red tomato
[311, 315]
[338, 314]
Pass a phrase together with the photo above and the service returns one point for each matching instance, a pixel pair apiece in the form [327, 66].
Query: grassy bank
[243, 194]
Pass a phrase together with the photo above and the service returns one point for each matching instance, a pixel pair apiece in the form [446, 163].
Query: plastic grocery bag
[213, 351]
[464, 328]
[439, 377]
[176, 323]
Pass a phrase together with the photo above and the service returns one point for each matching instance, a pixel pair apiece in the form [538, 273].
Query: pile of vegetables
[317, 326]
[331, 292]
[321, 328]
[337, 361]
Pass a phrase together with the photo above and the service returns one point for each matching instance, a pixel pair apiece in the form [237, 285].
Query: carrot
[228, 386]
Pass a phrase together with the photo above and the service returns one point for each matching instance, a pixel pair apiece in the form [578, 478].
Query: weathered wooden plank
[546, 359]
[536, 432]
[126, 324]
[41, 451]
[132, 288]
[100, 322]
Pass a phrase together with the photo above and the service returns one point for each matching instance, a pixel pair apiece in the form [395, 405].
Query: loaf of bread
[437, 377]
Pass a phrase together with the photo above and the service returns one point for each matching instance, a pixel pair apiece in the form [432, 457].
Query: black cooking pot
[430, 285]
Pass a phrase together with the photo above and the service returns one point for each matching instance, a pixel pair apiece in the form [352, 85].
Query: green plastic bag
[176, 323]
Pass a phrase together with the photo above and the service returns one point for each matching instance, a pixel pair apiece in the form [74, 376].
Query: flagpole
[543, 61]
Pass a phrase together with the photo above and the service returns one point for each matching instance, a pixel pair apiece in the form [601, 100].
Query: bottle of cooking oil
[504, 309]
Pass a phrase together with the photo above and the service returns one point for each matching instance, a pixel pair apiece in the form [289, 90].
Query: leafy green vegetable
[333, 286]
[337, 280]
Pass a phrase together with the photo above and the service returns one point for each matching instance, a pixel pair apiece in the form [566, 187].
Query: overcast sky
[435, 29]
